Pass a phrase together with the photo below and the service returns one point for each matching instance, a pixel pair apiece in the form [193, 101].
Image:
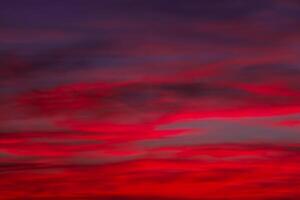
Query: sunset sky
[149, 100]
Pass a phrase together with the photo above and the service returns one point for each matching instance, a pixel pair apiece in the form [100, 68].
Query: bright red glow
[151, 100]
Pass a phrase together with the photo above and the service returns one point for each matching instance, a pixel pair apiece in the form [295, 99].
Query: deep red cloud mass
[136, 99]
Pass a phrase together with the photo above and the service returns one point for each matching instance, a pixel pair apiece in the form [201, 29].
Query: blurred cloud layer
[161, 99]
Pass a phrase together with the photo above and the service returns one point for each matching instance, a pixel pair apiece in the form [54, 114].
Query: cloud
[130, 99]
[161, 178]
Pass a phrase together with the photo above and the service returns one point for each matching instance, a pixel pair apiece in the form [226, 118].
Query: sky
[152, 100]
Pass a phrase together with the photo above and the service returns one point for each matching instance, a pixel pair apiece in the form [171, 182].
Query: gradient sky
[149, 99]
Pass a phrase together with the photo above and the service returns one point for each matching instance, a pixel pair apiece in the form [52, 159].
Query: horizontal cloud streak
[130, 99]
